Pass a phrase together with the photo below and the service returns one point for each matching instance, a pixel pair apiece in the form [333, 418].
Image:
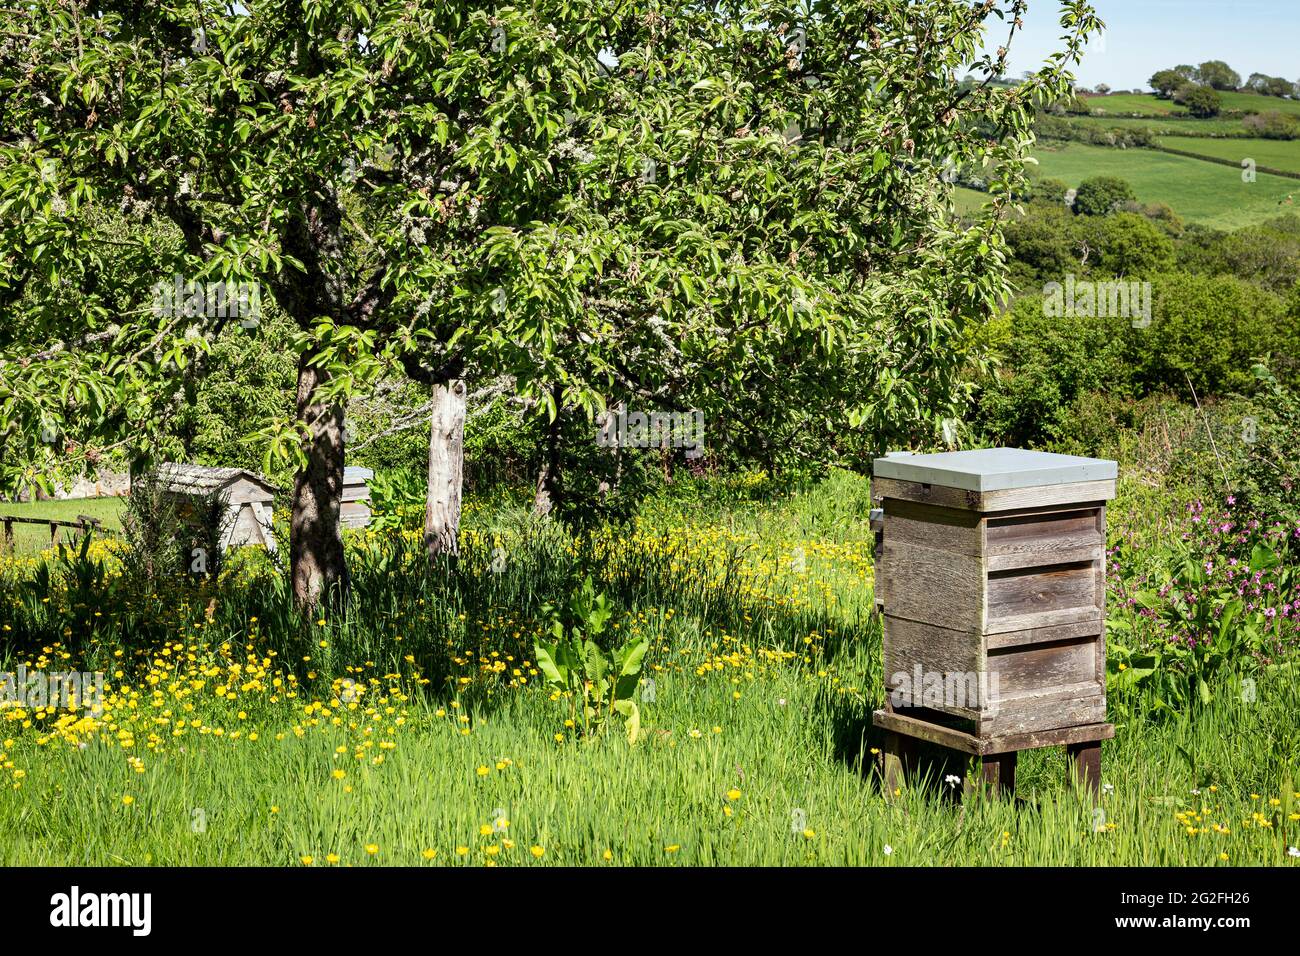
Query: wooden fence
[83, 523]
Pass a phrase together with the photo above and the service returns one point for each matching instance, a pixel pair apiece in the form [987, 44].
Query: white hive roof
[202, 479]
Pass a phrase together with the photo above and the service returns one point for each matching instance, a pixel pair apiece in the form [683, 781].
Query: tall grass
[757, 745]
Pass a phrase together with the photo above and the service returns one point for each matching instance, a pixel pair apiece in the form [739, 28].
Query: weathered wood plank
[1001, 743]
[1041, 635]
[999, 773]
[1034, 668]
[936, 649]
[1018, 529]
[1089, 493]
[934, 733]
[898, 759]
[933, 586]
[1078, 549]
[1041, 589]
[1061, 737]
[1067, 707]
[954, 530]
[1099, 569]
[1085, 766]
[1039, 619]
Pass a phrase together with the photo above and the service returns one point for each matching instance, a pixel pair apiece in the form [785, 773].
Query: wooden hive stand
[992, 584]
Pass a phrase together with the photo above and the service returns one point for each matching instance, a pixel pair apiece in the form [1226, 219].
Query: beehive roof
[993, 469]
[202, 479]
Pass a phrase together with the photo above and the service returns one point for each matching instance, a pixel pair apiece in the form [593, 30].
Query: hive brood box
[354, 509]
[992, 580]
[249, 498]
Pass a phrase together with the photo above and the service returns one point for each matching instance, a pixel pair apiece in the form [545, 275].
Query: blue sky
[1142, 36]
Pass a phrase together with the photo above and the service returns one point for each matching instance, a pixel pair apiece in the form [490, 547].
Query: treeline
[1217, 75]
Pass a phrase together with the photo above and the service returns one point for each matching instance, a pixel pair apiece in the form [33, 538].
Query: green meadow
[1201, 192]
[243, 739]
[32, 537]
[1150, 104]
[1173, 126]
[1278, 153]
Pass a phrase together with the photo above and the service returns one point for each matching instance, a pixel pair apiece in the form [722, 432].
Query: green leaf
[632, 714]
[1262, 558]
[594, 661]
[630, 656]
[547, 661]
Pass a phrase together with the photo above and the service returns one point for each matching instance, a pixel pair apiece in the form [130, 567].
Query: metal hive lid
[993, 469]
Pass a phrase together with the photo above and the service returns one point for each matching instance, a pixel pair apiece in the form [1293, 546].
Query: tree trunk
[316, 557]
[548, 476]
[446, 470]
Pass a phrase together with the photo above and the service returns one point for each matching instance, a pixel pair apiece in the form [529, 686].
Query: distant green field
[29, 538]
[1150, 103]
[1278, 153]
[1200, 192]
[968, 200]
[1175, 126]
[1131, 103]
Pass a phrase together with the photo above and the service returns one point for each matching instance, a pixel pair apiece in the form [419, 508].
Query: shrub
[1205, 330]
[1129, 245]
[1048, 191]
[1273, 125]
[1209, 331]
[1044, 245]
[1046, 363]
[151, 525]
[163, 534]
[1102, 194]
[1163, 216]
[1201, 101]
[1268, 477]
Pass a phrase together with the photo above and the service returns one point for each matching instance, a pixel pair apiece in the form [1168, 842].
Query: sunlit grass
[412, 729]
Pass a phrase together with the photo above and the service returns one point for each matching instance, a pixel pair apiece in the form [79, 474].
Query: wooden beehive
[249, 498]
[354, 509]
[992, 585]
